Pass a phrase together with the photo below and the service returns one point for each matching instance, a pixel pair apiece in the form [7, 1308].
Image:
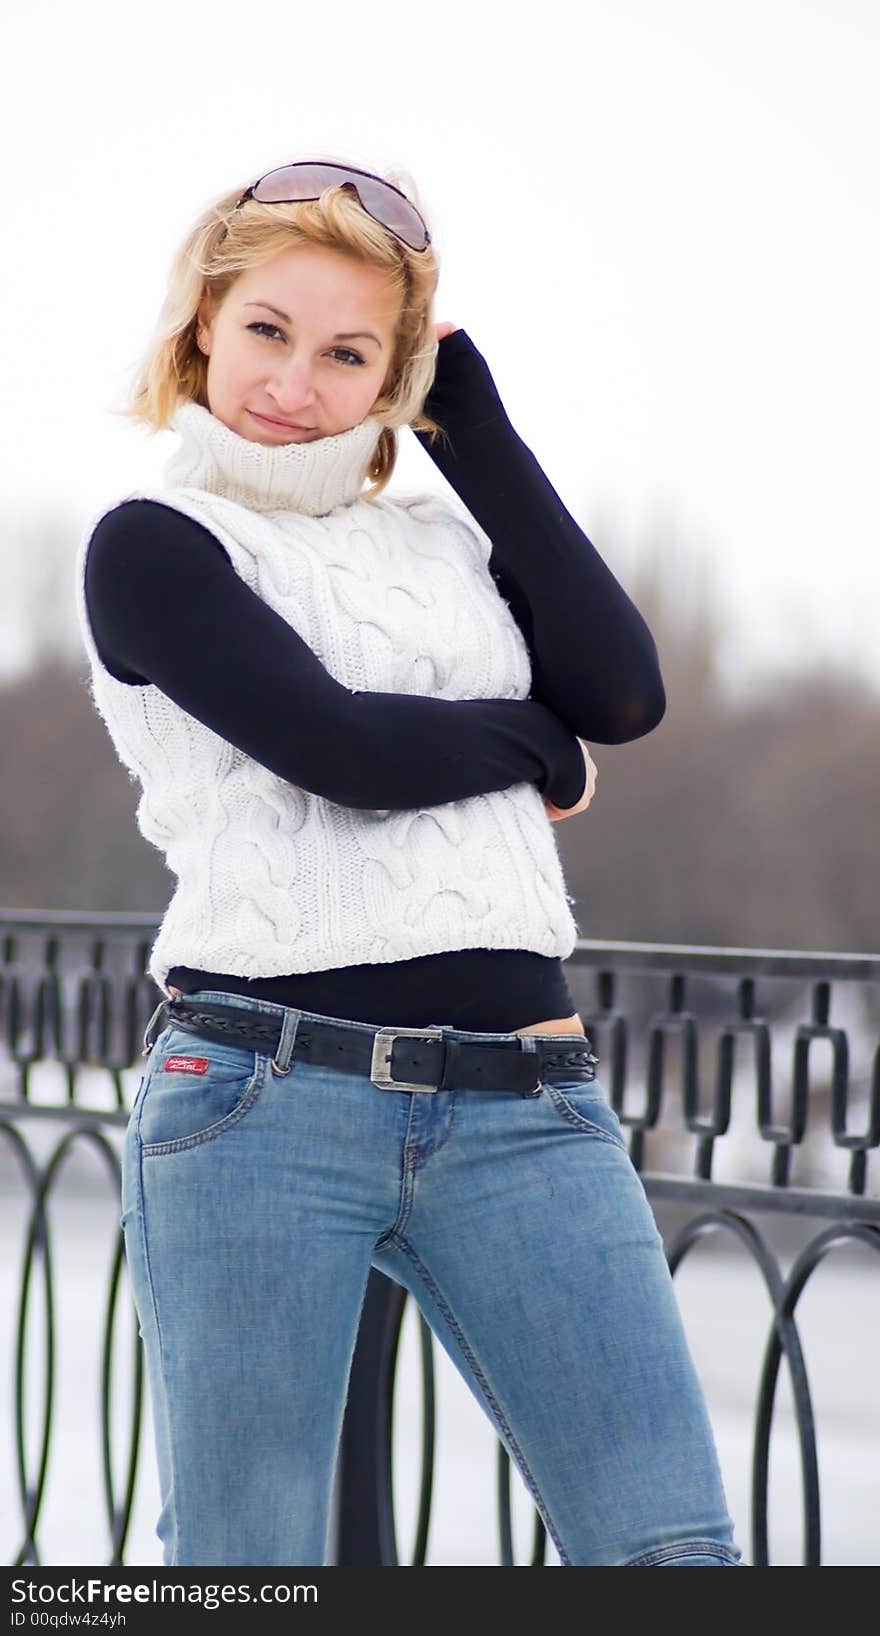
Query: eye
[354, 357]
[259, 327]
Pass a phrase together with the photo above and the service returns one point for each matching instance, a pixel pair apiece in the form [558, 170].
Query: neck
[314, 478]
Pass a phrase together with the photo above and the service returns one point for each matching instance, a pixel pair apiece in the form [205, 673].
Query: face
[313, 366]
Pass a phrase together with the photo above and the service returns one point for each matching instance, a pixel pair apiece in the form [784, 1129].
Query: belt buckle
[380, 1066]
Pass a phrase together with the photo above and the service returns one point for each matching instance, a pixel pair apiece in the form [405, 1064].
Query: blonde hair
[225, 242]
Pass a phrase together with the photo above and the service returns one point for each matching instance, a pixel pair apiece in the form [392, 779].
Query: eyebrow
[343, 335]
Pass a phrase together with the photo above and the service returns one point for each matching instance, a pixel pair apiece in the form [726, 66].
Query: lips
[281, 425]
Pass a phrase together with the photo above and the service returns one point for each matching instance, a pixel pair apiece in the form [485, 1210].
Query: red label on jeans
[186, 1065]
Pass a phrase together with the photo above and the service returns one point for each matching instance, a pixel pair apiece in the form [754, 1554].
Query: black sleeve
[166, 606]
[594, 660]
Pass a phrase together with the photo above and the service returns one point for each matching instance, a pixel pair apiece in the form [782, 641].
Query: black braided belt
[401, 1059]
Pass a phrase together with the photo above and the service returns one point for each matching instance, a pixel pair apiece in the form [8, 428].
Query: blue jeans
[255, 1203]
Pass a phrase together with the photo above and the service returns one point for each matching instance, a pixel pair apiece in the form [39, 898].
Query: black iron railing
[671, 1025]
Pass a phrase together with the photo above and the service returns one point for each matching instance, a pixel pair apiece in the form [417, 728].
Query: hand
[446, 329]
[555, 814]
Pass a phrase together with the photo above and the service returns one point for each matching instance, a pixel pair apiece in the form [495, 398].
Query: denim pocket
[194, 1090]
[583, 1104]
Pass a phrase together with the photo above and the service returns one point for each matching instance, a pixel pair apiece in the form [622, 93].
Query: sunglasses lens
[294, 184]
[394, 212]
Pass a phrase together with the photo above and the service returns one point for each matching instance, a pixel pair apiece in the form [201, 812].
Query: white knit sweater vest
[393, 595]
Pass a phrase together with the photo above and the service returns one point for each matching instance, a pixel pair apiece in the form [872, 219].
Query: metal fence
[689, 1040]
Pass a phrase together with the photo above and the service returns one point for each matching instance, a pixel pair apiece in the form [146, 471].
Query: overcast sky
[657, 219]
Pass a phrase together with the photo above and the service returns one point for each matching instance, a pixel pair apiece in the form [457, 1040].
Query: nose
[292, 384]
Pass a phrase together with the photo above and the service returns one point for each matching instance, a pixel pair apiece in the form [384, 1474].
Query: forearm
[403, 751]
[594, 660]
[166, 607]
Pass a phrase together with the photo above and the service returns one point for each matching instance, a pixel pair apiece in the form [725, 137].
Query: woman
[354, 717]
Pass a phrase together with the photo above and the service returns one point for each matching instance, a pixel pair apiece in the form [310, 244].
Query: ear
[204, 320]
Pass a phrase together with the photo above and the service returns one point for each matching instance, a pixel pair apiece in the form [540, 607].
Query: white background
[659, 223]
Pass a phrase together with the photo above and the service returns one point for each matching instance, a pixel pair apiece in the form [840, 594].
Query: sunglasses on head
[306, 179]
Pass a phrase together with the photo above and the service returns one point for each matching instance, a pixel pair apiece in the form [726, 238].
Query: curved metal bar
[40, 1185]
[799, 1274]
[505, 1521]
[396, 1314]
[538, 1556]
[429, 1438]
[789, 1342]
[120, 1516]
[31, 1495]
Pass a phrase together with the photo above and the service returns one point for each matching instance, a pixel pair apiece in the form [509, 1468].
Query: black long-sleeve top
[155, 579]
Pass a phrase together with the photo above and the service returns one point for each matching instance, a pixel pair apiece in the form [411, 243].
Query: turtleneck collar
[310, 477]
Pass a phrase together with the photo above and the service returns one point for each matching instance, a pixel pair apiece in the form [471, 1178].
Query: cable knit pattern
[393, 595]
